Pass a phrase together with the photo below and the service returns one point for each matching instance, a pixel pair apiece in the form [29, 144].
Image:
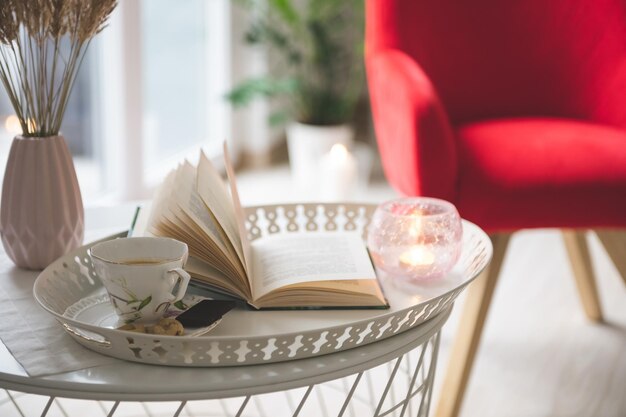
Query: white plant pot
[307, 144]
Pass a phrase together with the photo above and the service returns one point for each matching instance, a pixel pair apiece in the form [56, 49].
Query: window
[149, 93]
[77, 129]
[163, 97]
[184, 74]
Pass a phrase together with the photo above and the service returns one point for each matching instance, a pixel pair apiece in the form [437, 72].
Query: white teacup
[141, 275]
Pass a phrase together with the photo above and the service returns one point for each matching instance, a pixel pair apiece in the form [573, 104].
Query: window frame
[119, 104]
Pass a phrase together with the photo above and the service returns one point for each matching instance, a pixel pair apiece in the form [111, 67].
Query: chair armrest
[415, 138]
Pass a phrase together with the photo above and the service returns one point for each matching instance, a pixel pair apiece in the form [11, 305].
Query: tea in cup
[143, 275]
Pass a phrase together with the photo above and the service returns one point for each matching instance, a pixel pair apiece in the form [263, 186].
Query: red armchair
[516, 112]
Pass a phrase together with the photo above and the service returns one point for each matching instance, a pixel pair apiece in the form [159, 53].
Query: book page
[190, 203]
[159, 202]
[240, 215]
[187, 200]
[293, 258]
[207, 274]
[214, 193]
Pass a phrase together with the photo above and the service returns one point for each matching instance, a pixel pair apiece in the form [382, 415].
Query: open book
[289, 270]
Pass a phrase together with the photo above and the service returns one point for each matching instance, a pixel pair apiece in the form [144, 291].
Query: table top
[118, 380]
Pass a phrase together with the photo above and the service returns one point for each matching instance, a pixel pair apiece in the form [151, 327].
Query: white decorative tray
[247, 337]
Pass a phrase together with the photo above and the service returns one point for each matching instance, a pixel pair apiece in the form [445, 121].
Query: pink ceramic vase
[41, 215]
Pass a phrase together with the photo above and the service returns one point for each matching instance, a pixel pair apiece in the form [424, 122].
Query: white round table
[393, 376]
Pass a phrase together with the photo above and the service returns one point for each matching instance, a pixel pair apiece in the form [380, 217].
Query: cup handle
[183, 281]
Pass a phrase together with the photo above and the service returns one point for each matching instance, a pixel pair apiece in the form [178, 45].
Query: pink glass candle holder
[415, 239]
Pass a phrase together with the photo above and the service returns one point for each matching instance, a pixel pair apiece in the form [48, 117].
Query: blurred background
[152, 91]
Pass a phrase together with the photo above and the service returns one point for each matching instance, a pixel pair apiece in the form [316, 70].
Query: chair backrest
[510, 58]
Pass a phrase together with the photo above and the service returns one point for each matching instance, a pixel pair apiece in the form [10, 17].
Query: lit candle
[338, 173]
[415, 239]
[12, 125]
[416, 257]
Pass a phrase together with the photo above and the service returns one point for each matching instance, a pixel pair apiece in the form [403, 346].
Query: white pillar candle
[338, 174]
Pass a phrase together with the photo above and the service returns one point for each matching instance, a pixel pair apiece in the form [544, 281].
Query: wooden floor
[539, 355]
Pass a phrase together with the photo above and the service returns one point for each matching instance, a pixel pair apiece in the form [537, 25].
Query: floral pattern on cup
[143, 276]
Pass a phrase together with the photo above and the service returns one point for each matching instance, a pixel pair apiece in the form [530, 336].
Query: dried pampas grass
[42, 45]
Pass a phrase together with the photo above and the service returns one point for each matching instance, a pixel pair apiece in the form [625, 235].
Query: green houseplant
[42, 45]
[315, 76]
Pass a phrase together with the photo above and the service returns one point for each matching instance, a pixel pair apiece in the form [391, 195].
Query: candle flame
[417, 256]
[339, 151]
[12, 125]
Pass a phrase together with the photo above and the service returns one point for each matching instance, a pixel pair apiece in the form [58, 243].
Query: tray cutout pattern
[73, 277]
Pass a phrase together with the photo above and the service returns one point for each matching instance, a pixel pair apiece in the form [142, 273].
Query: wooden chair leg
[614, 242]
[469, 332]
[576, 244]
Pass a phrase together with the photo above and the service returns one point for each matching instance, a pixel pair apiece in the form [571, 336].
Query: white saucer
[97, 310]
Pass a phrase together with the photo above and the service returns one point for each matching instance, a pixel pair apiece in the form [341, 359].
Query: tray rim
[74, 384]
[209, 338]
[96, 329]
